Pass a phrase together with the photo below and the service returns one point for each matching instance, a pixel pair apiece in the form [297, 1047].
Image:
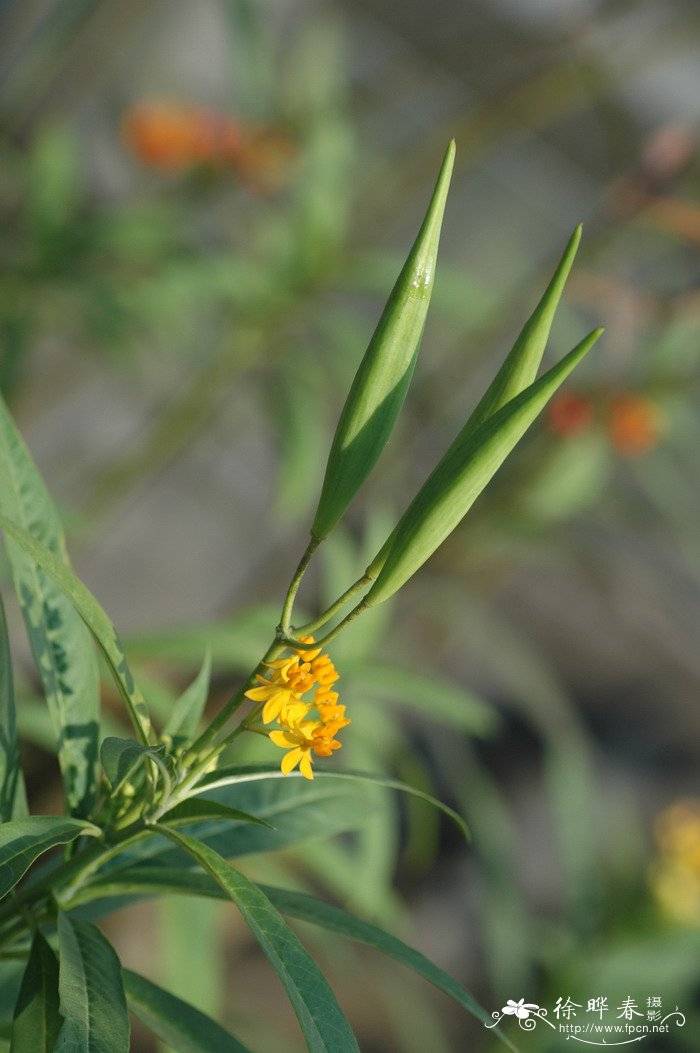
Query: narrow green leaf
[145, 881]
[189, 707]
[37, 1020]
[176, 1023]
[307, 908]
[197, 810]
[13, 798]
[94, 617]
[467, 467]
[379, 389]
[324, 1027]
[24, 840]
[61, 645]
[237, 776]
[93, 1004]
[520, 367]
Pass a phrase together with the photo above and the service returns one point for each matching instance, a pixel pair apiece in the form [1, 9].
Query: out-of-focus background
[204, 207]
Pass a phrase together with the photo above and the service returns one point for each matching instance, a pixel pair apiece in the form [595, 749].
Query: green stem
[286, 616]
[290, 641]
[358, 586]
[209, 734]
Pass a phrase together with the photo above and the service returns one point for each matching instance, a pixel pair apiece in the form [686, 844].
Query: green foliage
[60, 643]
[182, 1026]
[13, 798]
[325, 1028]
[93, 1004]
[63, 579]
[135, 798]
[24, 840]
[37, 1020]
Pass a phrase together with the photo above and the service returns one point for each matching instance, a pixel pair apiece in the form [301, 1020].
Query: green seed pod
[520, 367]
[469, 464]
[381, 382]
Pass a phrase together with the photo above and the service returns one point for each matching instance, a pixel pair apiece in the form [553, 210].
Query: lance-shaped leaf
[61, 645]
[189, 707]
[469, 464]
[24, 840]
[93, 1004]
[325, 1028]
[94, 617]
[37, 1020]
[177, 1023]
[13, 800]
[381, 382]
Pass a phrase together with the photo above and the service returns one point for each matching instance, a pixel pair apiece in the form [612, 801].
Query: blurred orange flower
[569, 414]
[173, 137]
[634, 424]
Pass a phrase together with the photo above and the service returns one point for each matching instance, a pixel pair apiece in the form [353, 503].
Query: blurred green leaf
[187, 711]
[429, 695]
[60, 643]
[236, 643]
[53, 185]
[571, 480]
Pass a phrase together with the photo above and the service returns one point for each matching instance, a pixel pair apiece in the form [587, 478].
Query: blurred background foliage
[204, 207]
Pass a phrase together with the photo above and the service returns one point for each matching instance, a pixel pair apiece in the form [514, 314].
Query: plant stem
[290, 641]
[286, 616]
[210, 733]
[358, 586]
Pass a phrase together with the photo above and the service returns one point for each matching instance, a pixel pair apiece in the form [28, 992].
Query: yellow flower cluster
[282, 696]
[675, 876]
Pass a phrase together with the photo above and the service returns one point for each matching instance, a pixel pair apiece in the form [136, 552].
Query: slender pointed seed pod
[469, 464]
[381, 382]
[520, 367]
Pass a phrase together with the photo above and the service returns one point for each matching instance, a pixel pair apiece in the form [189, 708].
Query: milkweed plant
[150, 814]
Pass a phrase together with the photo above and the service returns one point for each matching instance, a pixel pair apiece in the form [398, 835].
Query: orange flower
[160, 134]
[281, 695]
[634, 424]
[569, 414]
[174, 137]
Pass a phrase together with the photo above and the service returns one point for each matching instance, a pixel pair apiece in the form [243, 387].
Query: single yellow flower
[299, 741]
[277, 697]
